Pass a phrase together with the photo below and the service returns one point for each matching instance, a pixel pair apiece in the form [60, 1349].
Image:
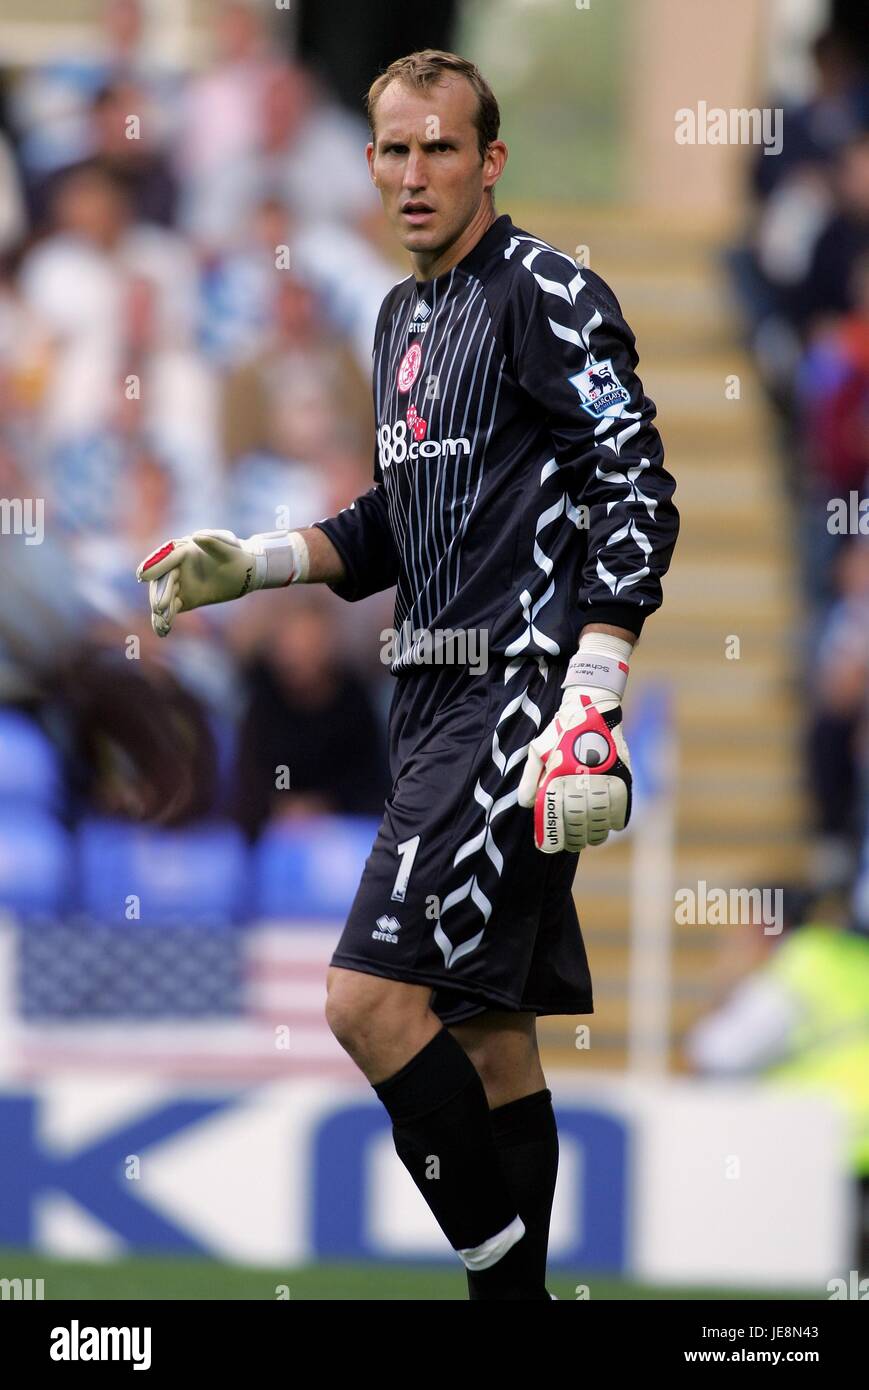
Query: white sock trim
[493, 1249]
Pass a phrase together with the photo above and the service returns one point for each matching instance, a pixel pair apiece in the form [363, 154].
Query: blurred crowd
[191, 265]
[796, 1010]
[802, 279]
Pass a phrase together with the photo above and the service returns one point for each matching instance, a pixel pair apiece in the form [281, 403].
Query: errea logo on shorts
[394, 446]
[387, 929]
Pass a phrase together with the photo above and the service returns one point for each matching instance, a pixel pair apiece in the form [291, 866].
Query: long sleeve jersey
[519, 480]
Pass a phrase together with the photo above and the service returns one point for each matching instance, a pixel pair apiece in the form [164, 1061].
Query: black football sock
[443, 1136]
[526, 1136]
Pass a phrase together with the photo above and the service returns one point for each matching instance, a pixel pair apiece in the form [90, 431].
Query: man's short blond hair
[421, 71]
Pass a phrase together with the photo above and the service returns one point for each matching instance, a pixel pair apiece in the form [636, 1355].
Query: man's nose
[415, 175]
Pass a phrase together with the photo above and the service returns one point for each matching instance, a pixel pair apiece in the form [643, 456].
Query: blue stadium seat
[193, 876]
[311, 868]
[35, 862]
[30, 772]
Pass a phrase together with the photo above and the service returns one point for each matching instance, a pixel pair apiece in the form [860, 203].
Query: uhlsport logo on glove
[591, 749]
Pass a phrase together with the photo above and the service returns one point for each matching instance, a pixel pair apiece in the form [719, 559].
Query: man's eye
[439, 148]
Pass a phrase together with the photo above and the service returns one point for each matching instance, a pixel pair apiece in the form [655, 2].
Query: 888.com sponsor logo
[397, 443]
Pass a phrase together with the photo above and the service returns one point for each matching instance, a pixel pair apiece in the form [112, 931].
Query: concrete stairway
[741, 811]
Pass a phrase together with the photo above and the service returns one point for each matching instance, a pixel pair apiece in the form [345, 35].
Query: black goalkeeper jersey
[519, 487]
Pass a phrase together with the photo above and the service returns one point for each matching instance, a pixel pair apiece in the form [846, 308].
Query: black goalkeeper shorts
[455, 894]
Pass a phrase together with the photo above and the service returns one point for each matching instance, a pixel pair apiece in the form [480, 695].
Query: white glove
[215, 566]
[577, 776]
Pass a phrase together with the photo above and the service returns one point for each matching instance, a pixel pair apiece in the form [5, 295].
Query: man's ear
[369, 155]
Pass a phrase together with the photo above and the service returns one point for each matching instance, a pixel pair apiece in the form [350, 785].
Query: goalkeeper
[520, 494]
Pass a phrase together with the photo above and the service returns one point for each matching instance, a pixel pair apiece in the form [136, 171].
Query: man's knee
[360, 1007]
[351, 999]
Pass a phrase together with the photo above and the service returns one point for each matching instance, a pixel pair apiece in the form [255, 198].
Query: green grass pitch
[199, 1279]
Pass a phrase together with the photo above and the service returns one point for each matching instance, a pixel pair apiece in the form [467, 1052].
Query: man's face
[425, 160]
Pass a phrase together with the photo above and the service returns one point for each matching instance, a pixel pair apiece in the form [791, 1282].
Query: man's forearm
[354, 550]
[325, 565]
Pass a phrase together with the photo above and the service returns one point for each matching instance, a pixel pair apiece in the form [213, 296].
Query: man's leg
[441, 1122]
[503, 1048]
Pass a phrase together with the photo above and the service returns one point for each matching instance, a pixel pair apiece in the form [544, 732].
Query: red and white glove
[215, 567]
[577, 776]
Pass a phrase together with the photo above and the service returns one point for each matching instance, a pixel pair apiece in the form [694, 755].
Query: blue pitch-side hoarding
[663, 1181]
[337, 1148]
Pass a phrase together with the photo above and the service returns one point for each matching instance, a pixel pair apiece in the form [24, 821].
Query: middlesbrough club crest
[408, 367]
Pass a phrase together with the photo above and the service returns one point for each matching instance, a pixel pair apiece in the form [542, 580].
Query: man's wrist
[281, 558]
[600, 665]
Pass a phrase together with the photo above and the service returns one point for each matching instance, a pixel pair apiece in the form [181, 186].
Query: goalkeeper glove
[577, 776]
[215, 566]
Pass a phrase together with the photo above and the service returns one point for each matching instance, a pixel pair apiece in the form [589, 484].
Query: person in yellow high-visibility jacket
[801, 1018]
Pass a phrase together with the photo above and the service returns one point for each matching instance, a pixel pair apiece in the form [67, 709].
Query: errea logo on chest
[420, 318]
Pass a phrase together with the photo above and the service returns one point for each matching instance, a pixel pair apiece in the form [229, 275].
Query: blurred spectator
[119, 299]
[26, 361]
[827, 285]
[309, 714]
[837, 751]
[13, 220]
[832, 418]
[800, 264]
[801, 1019]
[303, 388]
[296, 146]
[348, 276]
[836, 112]
[50, 104]
[220, 123]
[75, 277]
[833, 392]
[313, 153]
[809, 223]
[121, 138]
[139, 745]
[287, 409]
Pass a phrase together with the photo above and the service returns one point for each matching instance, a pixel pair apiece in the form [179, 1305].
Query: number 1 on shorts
[407, 849]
